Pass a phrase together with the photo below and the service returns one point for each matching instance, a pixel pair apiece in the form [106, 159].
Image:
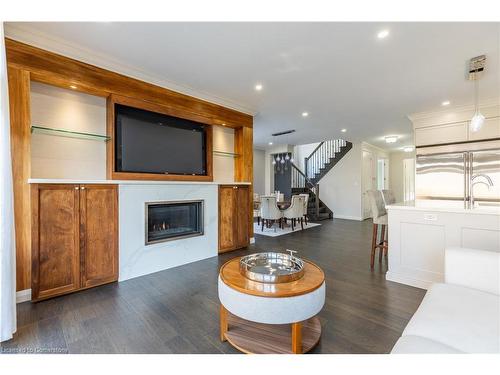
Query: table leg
[297, 338]
[223, 323]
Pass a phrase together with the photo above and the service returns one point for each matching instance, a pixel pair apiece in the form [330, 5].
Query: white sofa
[461, 315]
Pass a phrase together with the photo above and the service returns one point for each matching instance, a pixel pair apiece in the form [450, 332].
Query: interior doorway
[382, 174]
[408, 179]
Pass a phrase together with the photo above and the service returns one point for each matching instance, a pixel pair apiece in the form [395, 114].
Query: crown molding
[491, 102]
[60, 46]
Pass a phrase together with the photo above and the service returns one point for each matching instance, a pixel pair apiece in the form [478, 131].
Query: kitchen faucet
[489, 184]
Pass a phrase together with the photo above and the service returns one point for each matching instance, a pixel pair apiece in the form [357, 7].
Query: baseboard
[398, 278]
[347, 217]
[23, 295]
[252, 240]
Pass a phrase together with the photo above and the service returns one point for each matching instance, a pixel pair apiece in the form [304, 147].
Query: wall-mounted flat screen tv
[149, 142]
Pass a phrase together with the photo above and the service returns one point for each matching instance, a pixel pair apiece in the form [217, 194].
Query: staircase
[324, 158]
[317, 165]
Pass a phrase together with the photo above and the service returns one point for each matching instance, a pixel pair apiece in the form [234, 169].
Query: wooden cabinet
[74, 237]
[233, 217]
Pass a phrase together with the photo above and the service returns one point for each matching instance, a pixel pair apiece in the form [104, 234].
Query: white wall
[70, 158]
[397, 173]
[259, 171]
[223, 140]
[61, 157]
[340, 188]
[300, 152]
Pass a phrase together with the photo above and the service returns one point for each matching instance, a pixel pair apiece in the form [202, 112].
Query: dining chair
[389, 197]
[269, 212]
[306, 202]
[256, 207]
[295, 212]
[379, 215]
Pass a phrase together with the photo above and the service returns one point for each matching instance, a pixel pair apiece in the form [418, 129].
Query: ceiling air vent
[476, 67]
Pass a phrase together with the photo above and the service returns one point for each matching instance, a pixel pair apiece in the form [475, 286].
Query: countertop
[429, 205]
[129, 182]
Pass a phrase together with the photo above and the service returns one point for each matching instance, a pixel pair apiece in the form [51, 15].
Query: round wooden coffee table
[270, 318]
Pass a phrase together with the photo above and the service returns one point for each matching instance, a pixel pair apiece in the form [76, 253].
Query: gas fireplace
[167, 221]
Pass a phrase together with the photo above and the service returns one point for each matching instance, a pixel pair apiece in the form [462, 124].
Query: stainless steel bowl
[272, 267]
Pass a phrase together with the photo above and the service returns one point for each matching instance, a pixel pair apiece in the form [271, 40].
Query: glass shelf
[68, 133]
[227, 154]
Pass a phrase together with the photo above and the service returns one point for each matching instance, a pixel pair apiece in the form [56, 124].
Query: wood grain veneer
[243, 166]
[233, 217]
[55, 240]
[74, 237]
[313, 278]
[257, 338]
[20, 138]
[98, 234]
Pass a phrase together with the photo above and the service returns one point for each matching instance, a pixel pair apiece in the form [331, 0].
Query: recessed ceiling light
[305, 114]
[391, 139]
[72, 87]
[408, 149]
[445, 103]
[270, 143]
[343, 130]
[223, 124]
[258, 87]
[383, 34]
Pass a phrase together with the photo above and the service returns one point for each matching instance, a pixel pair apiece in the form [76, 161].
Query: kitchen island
[419, 231]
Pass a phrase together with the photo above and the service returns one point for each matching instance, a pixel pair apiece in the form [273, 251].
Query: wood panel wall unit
[233, 217]
[74, 238]
[111, 172]
[20, 138]
[27, 63]
[243, 166]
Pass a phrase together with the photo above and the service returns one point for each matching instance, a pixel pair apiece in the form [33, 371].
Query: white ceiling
[340, 73]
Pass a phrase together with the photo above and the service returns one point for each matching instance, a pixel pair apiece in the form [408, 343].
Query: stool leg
[374, 245]
[223, 323]
[382, 238]
[297, 338]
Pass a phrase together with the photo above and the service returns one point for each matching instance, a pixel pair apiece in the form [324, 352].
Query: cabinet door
[434, 135]
[241, 216]
[227, 221]
[98, 234]
[489, 130]
[55, 240]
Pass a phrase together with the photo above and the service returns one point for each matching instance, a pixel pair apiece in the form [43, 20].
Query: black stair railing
[300, 180]
[315, 163]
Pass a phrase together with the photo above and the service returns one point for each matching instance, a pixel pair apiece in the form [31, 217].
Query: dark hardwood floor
[176, 310]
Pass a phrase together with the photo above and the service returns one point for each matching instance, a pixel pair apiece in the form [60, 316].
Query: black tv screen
[149, 142]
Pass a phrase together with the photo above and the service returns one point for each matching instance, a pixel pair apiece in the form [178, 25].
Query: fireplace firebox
[173, 220]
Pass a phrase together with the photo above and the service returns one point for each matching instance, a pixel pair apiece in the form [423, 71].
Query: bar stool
[379, 215]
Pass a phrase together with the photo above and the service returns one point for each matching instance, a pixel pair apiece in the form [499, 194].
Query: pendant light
[476, 69]
[477, 121]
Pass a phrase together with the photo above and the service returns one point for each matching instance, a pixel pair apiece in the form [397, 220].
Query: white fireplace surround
[138, 259]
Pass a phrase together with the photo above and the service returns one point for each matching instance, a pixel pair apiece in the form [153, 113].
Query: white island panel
[419, 234]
